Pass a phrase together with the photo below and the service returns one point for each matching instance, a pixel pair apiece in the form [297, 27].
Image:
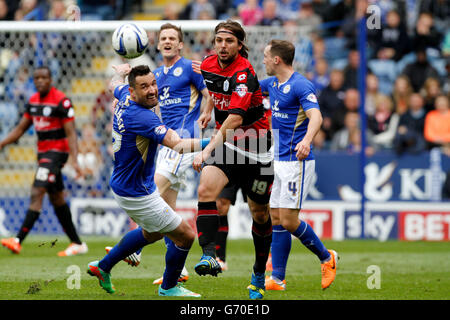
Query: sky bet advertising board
[404, 202]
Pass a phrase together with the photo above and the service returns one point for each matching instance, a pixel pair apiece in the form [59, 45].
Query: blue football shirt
[288, 102]
[180, 97]
[136, 133]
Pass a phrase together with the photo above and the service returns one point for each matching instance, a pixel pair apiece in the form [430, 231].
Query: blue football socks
[310, 240]
[175, 259]
[133, 241]
[281, 247]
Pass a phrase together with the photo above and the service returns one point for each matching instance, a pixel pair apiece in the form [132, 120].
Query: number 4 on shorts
[292, 186]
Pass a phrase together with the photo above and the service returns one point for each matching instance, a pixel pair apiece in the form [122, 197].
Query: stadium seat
[439, 65]
[339, 64]
[90, 85]
[20, 154]
[386, 72]
[403, 62]
[99, 65]
[82, 109]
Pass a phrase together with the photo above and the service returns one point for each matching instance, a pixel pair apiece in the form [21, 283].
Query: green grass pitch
[408, 271]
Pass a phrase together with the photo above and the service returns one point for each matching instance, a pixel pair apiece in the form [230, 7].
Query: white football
[129, 40]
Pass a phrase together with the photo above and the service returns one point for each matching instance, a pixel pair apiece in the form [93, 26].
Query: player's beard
[228, 60]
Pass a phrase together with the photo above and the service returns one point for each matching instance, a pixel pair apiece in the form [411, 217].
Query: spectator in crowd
[372, 93]
[288, 9]
[341, 138]
[320, 76]
[26, 7]
[171, 11]
[426, 35]
[331, 98]
[409, 137]
[351, 104]
[383, 124]
[437, 124]
[431, 89]
[352, 19]
[401, 93]
[392, 39]
[96, 9]
[319, 48]
[307, 16]
[102, 115]
[8, 9]
[440, 9]
[250, 12]
[270, 14]
[4, 10]
[58, 11]
[419, 70]
[199, 6]
[321, 7]
[90, 159]
[351, 70]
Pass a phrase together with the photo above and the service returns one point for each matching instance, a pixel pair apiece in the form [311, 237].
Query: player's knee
[223, 205]
[289, 225]
[37, 196]
[205, 193]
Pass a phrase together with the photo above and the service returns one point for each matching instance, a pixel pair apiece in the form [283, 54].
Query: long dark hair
[236, 29]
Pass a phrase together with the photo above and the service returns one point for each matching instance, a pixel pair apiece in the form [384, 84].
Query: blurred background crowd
[407, 84]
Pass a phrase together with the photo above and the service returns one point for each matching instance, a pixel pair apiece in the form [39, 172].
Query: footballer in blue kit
[137, 131]
[296, 119]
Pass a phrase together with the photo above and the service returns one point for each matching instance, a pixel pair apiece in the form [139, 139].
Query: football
[129, 40]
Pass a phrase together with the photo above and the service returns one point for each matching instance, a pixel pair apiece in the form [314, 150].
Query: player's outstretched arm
[315, 121]
[16, 133]
[173, 141]
[122, 70]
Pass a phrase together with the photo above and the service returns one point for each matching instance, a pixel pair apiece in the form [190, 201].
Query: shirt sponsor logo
[241, 90]
[241, 77]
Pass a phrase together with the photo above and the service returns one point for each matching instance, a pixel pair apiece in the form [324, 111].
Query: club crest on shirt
[241, 90]
[47, 111]
[178, 71]
[312, 97]
[287, 88]
[226, 85]
[67, 104]
[160, 129]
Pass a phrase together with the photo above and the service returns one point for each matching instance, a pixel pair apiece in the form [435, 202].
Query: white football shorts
[173, 166]
[150, 212]
[291, 183]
